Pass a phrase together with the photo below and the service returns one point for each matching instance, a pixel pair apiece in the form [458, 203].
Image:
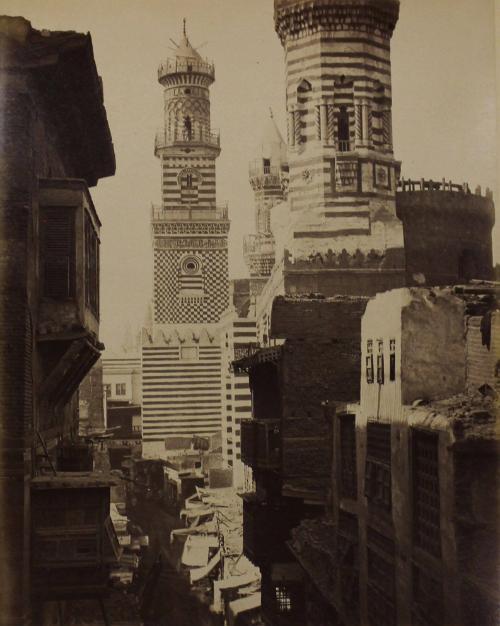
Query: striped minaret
[268, 175]
[181, 351]
[343, 175]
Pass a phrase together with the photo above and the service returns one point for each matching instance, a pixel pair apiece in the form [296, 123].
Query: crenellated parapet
[295, 18]
[447, 231]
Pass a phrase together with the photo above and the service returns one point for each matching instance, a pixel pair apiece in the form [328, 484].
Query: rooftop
[472, 417]
[63, 69]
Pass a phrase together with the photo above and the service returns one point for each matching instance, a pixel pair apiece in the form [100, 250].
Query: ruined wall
[483, 350]
[433, 357]
[447, 236]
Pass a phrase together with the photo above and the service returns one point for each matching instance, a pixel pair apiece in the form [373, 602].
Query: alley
[167, 599]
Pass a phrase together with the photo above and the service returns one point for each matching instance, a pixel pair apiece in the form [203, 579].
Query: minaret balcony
[185, 66]
[261, 443]
[258, 244]
[215, 213]
[345, 146]
[264, 175]
[184, 139]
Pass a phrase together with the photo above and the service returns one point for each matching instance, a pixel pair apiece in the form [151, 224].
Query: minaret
[268, 175]
[181, 351]
[191, 282]
[343, 174]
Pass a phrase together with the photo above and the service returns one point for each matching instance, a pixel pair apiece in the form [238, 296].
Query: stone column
[387, 128]
[296, 125]
[325, 135]
[331, 121]
[366, 114]
[358, 123]
[317, 122]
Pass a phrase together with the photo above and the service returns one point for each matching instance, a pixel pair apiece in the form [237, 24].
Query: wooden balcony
[73, 540]
[266, 528]
[68, 258]
[261, 443]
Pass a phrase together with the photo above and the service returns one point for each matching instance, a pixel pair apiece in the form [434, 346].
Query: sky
[444, 107]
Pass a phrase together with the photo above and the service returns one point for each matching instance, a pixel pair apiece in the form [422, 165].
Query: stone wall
[447, 236]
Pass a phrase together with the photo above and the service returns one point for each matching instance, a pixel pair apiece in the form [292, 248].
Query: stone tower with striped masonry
[343, 174]
[181, 352]
[268, 176]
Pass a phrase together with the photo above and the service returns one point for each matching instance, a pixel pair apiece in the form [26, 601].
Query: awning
[198, 512]
[196, 549]
[233, 582]
[198, 574]
[236, 607]
[208, 528]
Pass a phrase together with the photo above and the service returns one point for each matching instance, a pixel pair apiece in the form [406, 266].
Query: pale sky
[443, 72]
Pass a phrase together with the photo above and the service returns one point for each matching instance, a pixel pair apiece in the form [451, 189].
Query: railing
[431, 185]
[344, 145]
[165, 139]
[215, 213]
[189, 65]
[245, 351]
[258, 244]
[257, 168]
[261, 443]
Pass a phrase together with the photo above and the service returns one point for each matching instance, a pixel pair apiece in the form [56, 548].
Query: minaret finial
[271, 112]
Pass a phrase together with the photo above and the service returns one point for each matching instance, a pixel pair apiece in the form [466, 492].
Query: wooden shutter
[57, 249]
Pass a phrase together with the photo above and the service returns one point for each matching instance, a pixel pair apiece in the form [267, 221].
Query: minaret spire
[184, 27]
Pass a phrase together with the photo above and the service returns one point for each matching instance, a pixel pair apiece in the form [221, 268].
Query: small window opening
[283, 599]
[392, 359]
[188, 128]
[343, 129]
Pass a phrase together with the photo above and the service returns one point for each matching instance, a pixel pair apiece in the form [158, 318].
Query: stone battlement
[430, 185]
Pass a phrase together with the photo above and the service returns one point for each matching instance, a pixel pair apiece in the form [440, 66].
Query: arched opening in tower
[188, 128]
[343, 129]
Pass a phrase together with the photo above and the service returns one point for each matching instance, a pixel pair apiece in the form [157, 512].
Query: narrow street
[167, 596]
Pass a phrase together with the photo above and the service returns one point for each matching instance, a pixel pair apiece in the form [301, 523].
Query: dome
[272, 144]
[184, 49]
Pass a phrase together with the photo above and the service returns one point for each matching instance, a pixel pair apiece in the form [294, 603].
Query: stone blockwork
[447, 233]
[343, 174]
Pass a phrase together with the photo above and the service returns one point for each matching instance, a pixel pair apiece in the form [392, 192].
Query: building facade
[55, 144]
[348, 226]
[410, 532]
[239, 339]
[286, 443]
[343, 173]
[181, 352]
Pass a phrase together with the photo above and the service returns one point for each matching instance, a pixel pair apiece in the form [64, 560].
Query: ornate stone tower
[191, 282]
[181, 351]
[343, 174]
[268, 175]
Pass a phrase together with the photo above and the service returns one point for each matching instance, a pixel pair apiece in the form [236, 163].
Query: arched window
[343, 129]
[188, 129]
[304, 86]
[191, 281]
